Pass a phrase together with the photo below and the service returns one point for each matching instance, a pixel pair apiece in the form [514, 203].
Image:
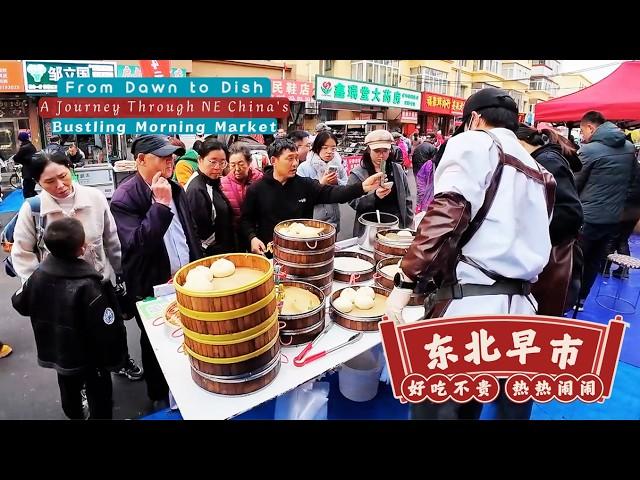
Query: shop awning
[617, 97]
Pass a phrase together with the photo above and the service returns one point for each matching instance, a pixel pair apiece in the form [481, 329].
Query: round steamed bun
[348, 294]
[343, 305]
[222, 268]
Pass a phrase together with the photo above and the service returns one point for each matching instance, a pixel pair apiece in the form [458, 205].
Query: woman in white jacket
[59, 198]
[324, 164]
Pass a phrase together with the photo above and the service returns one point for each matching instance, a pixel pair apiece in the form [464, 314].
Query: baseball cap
[487, 98]
[156, 144]
[23, 136]
[379, 139]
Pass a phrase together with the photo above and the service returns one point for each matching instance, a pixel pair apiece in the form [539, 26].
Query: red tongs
[300, 359]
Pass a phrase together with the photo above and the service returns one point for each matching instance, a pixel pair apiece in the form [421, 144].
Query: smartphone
[333, 169]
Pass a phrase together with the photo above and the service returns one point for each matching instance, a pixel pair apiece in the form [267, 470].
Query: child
[76, 322]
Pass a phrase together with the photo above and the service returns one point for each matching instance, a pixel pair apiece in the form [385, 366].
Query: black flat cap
[156, 144]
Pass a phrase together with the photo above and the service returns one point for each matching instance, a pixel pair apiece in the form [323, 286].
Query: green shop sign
[43, 76]
[352, 91]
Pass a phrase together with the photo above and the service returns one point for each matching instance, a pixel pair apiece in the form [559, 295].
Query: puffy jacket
[75, 317]
[314, 167]
[567, 209]
[607, 165]
[23, 157]
[185, 166]
[421, 155]
[236, 191]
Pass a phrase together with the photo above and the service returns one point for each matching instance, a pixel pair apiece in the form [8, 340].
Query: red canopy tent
[617, 97]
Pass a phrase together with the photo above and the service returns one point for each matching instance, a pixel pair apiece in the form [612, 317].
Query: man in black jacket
[78, 329]
[23, 157]
[608, 161]
[283, 195]
[156, 233]
[422, 154]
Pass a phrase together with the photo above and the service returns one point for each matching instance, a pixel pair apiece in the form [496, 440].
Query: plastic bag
[307, 402]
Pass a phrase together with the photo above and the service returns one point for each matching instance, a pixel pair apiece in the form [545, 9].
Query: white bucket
[359, 378]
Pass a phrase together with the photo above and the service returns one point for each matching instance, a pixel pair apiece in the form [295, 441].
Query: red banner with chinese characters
[155, 68]
[443, 104]
[351, 161]
[293, 90]
[460, 358]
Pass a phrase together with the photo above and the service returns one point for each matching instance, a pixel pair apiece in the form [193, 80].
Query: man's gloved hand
[397, 300]
[121, 286]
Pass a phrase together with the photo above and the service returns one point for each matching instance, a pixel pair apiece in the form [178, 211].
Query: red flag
[155, 68]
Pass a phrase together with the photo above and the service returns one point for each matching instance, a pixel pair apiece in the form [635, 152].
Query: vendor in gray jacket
[325, 165]
[395, 200]
[607, 166]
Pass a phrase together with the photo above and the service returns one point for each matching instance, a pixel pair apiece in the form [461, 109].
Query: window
[386, 72]
[488, 65]
[462, 63]
[328, 65]
[514, 71]
[425, 79]
[544, 84]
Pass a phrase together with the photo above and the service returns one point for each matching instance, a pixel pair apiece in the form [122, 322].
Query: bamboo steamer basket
[302, 327]
[385, 248]
[383, 280]
[230, 333]
[325, 240]
[358, 277]
[324, 281]
[351, 322]
[239, 384]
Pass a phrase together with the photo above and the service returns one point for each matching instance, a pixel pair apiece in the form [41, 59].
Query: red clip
[353, 278]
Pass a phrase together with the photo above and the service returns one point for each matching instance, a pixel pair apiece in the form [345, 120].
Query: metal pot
[369, 220]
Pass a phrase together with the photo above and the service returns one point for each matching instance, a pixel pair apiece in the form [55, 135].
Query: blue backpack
[6, 237]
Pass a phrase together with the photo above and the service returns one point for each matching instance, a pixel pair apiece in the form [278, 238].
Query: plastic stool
[627, 262]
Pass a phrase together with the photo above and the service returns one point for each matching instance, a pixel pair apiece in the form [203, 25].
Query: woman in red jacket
[235, 184]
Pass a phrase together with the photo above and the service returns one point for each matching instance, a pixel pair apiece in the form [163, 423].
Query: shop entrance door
[9, 129]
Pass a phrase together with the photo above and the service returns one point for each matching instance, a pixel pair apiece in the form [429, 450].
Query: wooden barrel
[358, 277]
[352, 322]
[385, 248]
[305, 259]
[386, 281]
[303, 327]
[324, 281]
[230, 333]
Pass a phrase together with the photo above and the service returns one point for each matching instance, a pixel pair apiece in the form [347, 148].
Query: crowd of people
[185, 204]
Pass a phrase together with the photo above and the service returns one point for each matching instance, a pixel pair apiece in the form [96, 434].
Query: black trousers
[99, 394]
[620, 241]
[28, 187]
[157, 388]
[507, 410]
[594, 240]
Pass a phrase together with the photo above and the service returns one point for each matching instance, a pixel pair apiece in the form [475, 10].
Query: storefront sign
[14, 108]
[155, 68]
[409, 116]
[352, 91]
[43, 76]
[134, 71]
[11, 79]
[442, 104]
[293, 90]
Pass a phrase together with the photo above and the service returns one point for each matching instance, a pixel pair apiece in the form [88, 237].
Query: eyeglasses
[331, 149]
[217, 163]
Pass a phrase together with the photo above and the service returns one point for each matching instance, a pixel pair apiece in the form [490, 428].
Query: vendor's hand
[329, 178]
[161, 189]
[397, 300]
[121, 286]
[257, 246]
[382, 192]
[373, 182]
